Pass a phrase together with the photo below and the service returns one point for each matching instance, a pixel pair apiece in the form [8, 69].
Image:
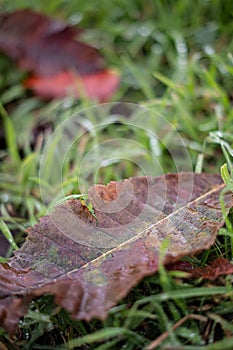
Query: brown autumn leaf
[89, 264]
[218, 267]
[50, 50]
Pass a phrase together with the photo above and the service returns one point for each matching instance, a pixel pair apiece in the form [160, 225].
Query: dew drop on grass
[156, 49]
[144, 31]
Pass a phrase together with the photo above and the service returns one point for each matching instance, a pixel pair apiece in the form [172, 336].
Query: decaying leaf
[89, 264]
[50, 50]
[218, 267]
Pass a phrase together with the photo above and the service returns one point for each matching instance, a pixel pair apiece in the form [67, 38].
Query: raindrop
[209, 50]
[144, 31]
[157, 49]
[76, 18]
[181, 47]
[5, 197]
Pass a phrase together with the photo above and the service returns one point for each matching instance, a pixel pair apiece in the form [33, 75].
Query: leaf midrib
[134, 238]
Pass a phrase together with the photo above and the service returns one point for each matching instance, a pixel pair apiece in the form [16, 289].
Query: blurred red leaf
[50, 51]
[100, 85]
[89, 265]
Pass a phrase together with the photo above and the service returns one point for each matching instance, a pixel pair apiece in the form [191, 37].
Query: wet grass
[175, 59]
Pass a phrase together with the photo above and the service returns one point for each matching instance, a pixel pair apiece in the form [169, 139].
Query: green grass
[176, 60]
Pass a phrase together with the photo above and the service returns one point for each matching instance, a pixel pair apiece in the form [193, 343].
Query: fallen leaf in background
[50, 51]
[218, 267]
[100, 85]
[184, 266]
[89, 264]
